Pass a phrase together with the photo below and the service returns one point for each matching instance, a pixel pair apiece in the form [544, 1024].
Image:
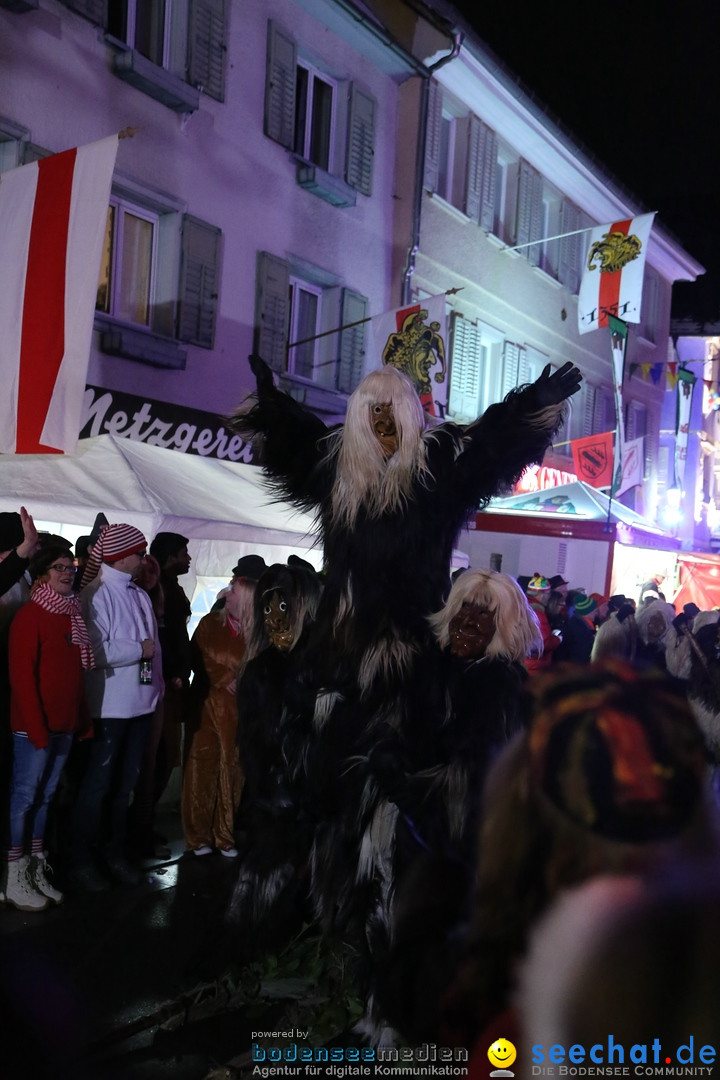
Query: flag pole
[359, 322]
[547, 239]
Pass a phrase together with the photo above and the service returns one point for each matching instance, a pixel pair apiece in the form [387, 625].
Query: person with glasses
[49, 652]
[123, 690]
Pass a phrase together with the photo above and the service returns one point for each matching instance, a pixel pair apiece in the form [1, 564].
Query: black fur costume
[376, 667]
[273, 882]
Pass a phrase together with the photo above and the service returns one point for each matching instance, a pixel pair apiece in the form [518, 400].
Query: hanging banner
[618, 344]
[412, 339]
[685, 385]
[613, 277]
[53, 218]
[593, 459]
[633, 466]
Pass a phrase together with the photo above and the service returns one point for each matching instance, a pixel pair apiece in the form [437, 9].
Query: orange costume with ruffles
[213, 779]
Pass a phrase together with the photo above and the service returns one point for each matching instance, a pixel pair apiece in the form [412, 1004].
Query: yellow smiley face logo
[502, 1053]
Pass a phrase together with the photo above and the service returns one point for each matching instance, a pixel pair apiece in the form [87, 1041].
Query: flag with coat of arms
[612, 279]
[412, 339]
[53, 219]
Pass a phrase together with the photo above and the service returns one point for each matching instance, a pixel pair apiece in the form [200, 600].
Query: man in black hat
[559, 584]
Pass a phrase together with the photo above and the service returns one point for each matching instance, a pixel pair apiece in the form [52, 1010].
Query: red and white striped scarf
[54, 602]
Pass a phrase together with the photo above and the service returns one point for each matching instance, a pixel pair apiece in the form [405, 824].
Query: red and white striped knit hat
[115, 542]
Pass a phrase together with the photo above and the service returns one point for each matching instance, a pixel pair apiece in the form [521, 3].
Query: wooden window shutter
[353, 307]
[569, 260]
[588, 405]
[605, 417]
[199, 281]
[651, 444]
[432, 136]
[280, 76]
[487, 204]
[529, 217]
[465, 369]
[361, 141]
[207, 47]
[94, 10]
[511, 365]
[480, 173]
[475, 168]
[272, 310]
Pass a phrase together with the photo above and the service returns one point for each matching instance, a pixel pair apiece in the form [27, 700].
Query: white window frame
[121, 207]
[294, 334]
[175, 43]
[131, 28]
[314, 73]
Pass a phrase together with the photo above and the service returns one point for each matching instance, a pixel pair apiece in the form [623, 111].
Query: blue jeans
[35, 777]
[111, 775]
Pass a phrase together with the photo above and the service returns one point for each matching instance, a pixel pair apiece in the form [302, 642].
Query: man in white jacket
[123, 690]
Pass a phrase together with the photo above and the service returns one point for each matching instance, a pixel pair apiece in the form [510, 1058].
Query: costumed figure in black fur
[487, 629]
[271, 890]
[390, 499]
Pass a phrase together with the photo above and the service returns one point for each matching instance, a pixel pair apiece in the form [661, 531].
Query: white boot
[38, 875]
[19, 890]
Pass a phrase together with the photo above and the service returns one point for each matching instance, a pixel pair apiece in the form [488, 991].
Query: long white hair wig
[364, 476]
[517, 630]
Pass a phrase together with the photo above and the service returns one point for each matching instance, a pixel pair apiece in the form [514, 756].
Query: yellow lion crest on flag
[415, 349]
[613, 252]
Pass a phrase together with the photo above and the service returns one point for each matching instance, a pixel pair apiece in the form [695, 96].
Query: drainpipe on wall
[420, 162]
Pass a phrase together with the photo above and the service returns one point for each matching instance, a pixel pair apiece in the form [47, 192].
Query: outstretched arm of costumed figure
[512, 434]
[289, 439]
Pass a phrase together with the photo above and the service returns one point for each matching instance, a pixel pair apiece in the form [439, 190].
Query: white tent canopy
[223, 507]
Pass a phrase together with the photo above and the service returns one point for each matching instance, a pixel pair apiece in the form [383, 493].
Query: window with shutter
[605, 418]
[487, 201]
[151, 43]
[305, 309]
[433, 133]
[651, 445]
[126, 289]
[480, 176]
[315, 95]
[569, 265]
[467, 361]
[587, 410]
[635, 420]
[272, 310]
[511, 367]
[207, 47]
[529, 211]
[199, 281]
[351, 364]
[280, 83]
[139, 287]
[361, 141]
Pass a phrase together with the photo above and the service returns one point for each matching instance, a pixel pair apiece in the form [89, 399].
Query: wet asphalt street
[128, 984]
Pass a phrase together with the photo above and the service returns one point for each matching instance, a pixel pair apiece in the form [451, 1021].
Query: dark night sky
[639, 84]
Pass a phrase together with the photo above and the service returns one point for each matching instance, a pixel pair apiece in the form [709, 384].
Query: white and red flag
[412, 339]
[612, 280]
[53, 218]
[633, 467]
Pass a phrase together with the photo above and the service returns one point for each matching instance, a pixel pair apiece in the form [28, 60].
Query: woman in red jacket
[49, 650]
